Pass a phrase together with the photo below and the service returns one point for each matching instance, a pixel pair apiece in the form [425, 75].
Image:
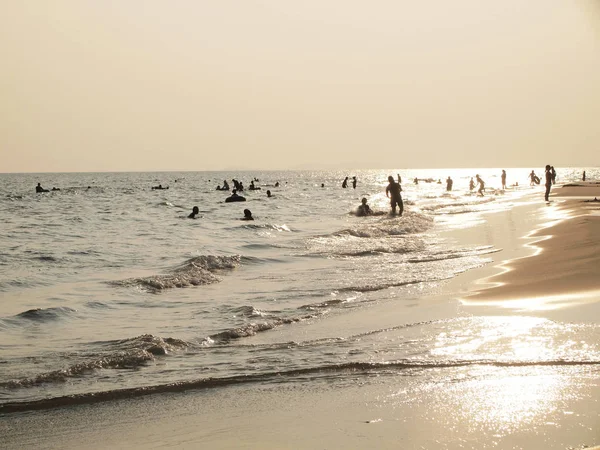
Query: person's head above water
[247, 215]
[195, 210]
[364, 201]
[268, 193]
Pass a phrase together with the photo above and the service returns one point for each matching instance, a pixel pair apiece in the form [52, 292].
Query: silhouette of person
[225, 186]
[247, 215]
[533, 177]
[353, 182]
[548, 182]
[277, 184]
[503, 177]
[322, 185]
[416, 181]
[481, 185]
[449, 184]
[553, 174]
[194, 213]
[471, 184]
[268, 193]
[39, 188]
[399, 178]
[583, 178]
[364, 209]
[345, 183]
[393, 192]
[159, 187]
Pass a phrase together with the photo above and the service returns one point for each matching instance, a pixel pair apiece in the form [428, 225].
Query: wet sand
[563, 264]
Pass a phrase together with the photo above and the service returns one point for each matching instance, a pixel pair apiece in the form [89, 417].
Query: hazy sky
[113, 85]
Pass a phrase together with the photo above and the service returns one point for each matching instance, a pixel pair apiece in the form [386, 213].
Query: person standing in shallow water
[353, 182]
[481, 185]
[449, 184]
[583, 178]
[548, 182]
[503, 179]
[345, 183]
[392, 191]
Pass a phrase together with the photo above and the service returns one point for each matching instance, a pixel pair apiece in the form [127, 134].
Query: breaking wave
[353, 369]
[196, 271]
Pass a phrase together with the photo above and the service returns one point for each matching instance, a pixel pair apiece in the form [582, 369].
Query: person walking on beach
[548, 181]
[345, 183]
[392, 191]
[481, 185]
[503, 176]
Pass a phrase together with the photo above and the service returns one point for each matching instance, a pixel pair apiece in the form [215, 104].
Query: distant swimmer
[583, 178]
[194, 213]
[345, 183]
[548, 183]
[449, 184]
[481, 185]
[277, 184]
[322, 185]
[471, 184]
[235, 197]
[39, 188]
[55, 189]
[595, 200]
[393, 192]
[159, 187]
[353, 182]
[364, 209]
[253, 187]
[416, 181]
[247, 215]
[503, 177]
[268, 193]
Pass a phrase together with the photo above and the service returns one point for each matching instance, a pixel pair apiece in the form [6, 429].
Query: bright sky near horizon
[140, 85]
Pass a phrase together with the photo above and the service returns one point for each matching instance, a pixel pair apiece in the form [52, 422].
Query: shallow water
[108, 288]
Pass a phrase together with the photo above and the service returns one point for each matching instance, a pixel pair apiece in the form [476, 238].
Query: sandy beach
[547, 266]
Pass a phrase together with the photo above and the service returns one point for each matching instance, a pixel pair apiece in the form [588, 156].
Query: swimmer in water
[247, 215]
[364, 209]
[268, 193]
[39, 188]
[194, 213]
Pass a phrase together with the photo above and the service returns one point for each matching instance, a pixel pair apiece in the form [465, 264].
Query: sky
[142, 85]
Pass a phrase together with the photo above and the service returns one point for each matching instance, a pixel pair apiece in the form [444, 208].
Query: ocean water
[108, 290]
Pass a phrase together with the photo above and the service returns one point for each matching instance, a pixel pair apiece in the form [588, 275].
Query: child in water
[364, 209]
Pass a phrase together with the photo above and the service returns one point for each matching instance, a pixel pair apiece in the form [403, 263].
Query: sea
[109, 291]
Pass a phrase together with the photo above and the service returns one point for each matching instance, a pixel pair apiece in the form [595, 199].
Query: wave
[410, 223]
[391, 368]
[453, 254]
[121, 354]
[45, 314]
[250, 329]
[196, 271]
